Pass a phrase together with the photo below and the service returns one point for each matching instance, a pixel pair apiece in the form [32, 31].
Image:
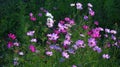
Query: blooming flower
[67, 42]
[65, 54]
[91, 42]
[107, 30]
[31, 14]
[90, 5]
[33, 18]
[49, 53]
[10, 44]
[85, 27]
[96, 48]
[56, 31]
[113, 31]
[62, 28]
[30, 33]
[49, 15]
[53, 36]
[106, 56]
[67, 19]
[50, 22]
[75, 46]
[12, 36]
[16, 44]
[79, 6]
[68, 36]
[32, 48]
[95, 33]
[96, 23]
[74, 66]
[71, 22]
[113, 37]
[80, 43]
[21, 53]
[33, 40]
[85, 17]
[92, 13]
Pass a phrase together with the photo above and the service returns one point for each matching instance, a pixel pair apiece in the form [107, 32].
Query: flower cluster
[59, 38]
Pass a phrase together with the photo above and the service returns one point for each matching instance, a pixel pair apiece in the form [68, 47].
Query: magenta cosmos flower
[32, 48]
[12, 36]
[33, 18]
[10, 44]
[85, 27]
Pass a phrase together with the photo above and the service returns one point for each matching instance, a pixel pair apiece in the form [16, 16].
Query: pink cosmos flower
[61, 22]
[85, 27]
[113, 31]
[65, 54]
[10, 44]
[92, 13]
[106, 56]
[32, 18]
[71, 22]
[12, 36]
[74, 66]
[75, 47]
[91, 42]
[16, 44]
[31, 14]
[68, 36]
[67, 19]
[30, 33]
[32, 48]
[96, 23]
[95, 33]
[80, 43]
[49, 53]
[56, 31]
[67, 42]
